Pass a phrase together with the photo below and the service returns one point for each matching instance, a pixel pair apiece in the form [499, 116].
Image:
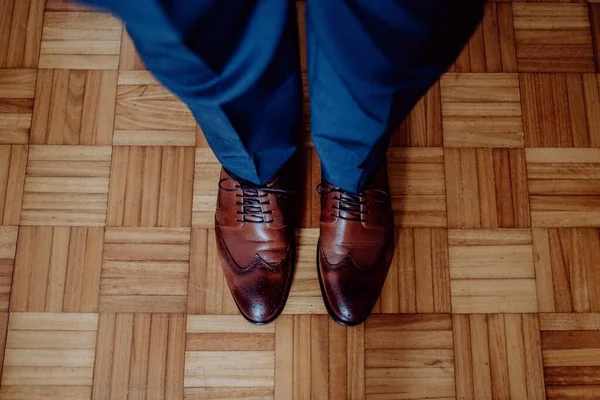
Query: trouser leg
[369, 62]
[235, 64]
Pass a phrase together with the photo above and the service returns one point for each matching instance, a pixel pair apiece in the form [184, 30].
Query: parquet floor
[109, 285]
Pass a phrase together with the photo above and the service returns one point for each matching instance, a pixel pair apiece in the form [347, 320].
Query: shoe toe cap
[349, 302]
[260, 303]
[349, 291]
[261, 290]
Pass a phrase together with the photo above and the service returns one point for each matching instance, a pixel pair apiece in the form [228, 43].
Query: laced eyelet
[253, 204]
[349, 205]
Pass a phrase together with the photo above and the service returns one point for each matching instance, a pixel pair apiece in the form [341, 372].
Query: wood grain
[566, 262]
[423, 126]
[49, 355]
[492, 271]
[145, 270]
[151, 187]
[399, 369]
[80, 40]
[207, 288]
[481, 110]
[418, 280]
[147, 114]
[74, 107]
[570, 357]
[417, 186]
[553, 38]
[498, 356]
[21, 33]
[66, 186]
[326, 360]
[13, 162]
[129, 57]
[560, 110]
[8, 246]
[305, 295]
[57, 269]
[492, 46]
[140, 356]
[563, 187]
[486, 188]
[223, 368]
[206, 184]
[17, 89]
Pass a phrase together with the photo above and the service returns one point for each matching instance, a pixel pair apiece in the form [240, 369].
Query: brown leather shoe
[355, 248]
[255, 240]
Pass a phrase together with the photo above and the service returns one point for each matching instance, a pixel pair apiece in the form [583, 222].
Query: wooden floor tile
[208, 292]
[305, 295]
[129, 57]
[57, 269]
[498, 356]
[317, 358]
[564, 187]
[409, 356]
[567, 273]
[486, 188]
[417, 187]
[423, 126]
[17, 88]
[569, 321]
[560, 110]
[80, 40]
[13, 161]
[553, 38]
[50, 354]
[571, 351]
[8, 246]
[147, 114]
[66, 186]
[226, 356]
[20, 33]
[145, 270]
[139, 356]
[151, 186]
[418, 279]
[309, 172]
[74, 107]
[206, 186]
[492, 271]
[492, 46]
[481, 110]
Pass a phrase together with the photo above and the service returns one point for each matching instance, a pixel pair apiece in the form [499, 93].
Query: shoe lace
[253, 199]
[349, 204]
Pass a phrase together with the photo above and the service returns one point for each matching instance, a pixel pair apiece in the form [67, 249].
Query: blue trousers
[235, 63]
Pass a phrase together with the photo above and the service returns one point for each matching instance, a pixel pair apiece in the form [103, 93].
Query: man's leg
[235, 64]
[369, 63]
